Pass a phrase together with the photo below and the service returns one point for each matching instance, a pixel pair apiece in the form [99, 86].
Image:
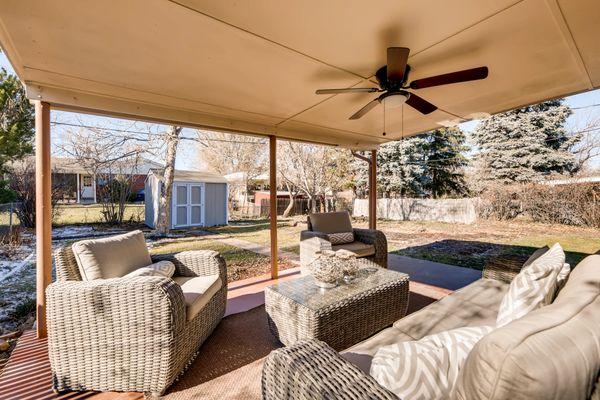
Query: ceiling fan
[393, 79]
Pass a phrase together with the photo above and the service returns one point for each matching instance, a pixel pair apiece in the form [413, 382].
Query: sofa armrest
[313, 370]
[196, 263]
[376, 238]
[504, 268]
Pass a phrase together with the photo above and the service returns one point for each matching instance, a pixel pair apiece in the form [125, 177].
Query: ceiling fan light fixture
[395, 100]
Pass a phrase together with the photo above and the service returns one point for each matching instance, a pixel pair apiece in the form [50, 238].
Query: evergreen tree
[526, 144]
[446, 163]
[400, 169]
[17, 127]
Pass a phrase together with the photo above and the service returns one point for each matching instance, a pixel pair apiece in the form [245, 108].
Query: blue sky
[187, 157]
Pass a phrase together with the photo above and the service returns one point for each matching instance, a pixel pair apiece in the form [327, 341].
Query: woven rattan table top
[304, 291]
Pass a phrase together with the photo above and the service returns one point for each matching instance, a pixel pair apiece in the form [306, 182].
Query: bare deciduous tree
[112, 159]
[316, 171]
[166, 192]
[227, 153]
[588, 148]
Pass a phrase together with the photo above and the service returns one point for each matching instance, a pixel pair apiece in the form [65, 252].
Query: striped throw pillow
[534, 287]
[341, 238]
[425, 369]
[162, 268]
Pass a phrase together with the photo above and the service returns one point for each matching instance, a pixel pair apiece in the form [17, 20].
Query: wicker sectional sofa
[129, 334]
[552, 352]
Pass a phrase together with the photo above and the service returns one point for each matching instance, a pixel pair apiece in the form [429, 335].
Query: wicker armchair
[313, 370]
[320, 225]
[127, 334]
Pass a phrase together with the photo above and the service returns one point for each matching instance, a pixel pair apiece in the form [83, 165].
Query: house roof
[253, 67]
[239, 177]
[68, 165]
[192, 176]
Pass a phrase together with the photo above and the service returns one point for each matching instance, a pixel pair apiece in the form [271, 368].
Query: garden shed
[199, 199]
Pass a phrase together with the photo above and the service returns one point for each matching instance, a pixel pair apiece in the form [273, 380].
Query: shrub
[573, 204]
[500, 202]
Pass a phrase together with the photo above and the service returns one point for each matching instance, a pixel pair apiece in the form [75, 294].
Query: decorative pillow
[426, 369]
[534, 287]
[341, 238]
[162, 268]
[111, 257]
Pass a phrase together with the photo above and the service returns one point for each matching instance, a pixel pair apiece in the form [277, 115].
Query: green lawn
[257, 231]
[456, 244]
[241, 263]
[78, 214]
[473, 245]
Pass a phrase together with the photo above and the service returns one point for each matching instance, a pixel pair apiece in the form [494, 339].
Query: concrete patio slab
[433, 273]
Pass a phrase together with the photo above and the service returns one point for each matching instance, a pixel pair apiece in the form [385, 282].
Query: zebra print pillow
[341, 238]
[534, 287]
[426, 369]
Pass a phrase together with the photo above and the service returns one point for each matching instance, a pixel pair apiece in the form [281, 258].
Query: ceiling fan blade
[397, 57]
[453, 77]
[420, 104]
[347, 90]
[370, 105]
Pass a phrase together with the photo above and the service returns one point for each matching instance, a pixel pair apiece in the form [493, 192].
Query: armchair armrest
[196, 263]
[310, 243]
[313, 370]
[115, 307]
[504, 268]
[376, 238]
[122, 327]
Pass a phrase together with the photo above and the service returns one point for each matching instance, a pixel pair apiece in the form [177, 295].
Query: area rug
[230, 362]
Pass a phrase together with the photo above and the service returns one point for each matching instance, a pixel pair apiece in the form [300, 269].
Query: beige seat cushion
[551, 353]
[359, 249]
[334, 222]
[111, 257]
[474, 305]
[197, 291]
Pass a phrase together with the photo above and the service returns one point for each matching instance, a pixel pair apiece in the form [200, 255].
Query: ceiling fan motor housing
[381, 76]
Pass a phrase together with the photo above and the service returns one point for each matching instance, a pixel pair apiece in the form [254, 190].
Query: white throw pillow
[533, 287]
[426, 369]
[162, 268]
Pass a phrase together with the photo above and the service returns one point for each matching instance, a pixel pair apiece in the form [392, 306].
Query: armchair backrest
[332, 222]
[66, 265]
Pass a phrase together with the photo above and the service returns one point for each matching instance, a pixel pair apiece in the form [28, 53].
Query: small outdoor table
[341, 316]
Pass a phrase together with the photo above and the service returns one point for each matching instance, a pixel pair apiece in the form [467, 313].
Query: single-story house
[199, 199]
[78, 184]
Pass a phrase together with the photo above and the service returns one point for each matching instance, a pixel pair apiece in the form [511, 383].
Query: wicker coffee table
[340, 316]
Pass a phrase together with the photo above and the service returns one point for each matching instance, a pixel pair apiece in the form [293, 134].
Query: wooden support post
[373, 190]
[43, 211]
[273, 203]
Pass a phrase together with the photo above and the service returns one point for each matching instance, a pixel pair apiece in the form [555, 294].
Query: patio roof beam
[373, 190]
[273, 204]
[43, 211]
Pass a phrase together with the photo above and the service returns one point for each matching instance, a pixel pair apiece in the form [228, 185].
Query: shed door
[188, 204]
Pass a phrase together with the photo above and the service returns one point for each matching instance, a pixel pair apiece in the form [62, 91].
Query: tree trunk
[166, 191]
[290, 206]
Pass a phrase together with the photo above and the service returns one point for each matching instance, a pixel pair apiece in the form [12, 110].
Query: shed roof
[253, 67]
[192, 176]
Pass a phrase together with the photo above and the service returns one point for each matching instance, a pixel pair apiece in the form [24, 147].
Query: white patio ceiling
[253, 66]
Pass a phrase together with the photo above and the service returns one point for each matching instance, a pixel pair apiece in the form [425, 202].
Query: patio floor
[27, 375]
